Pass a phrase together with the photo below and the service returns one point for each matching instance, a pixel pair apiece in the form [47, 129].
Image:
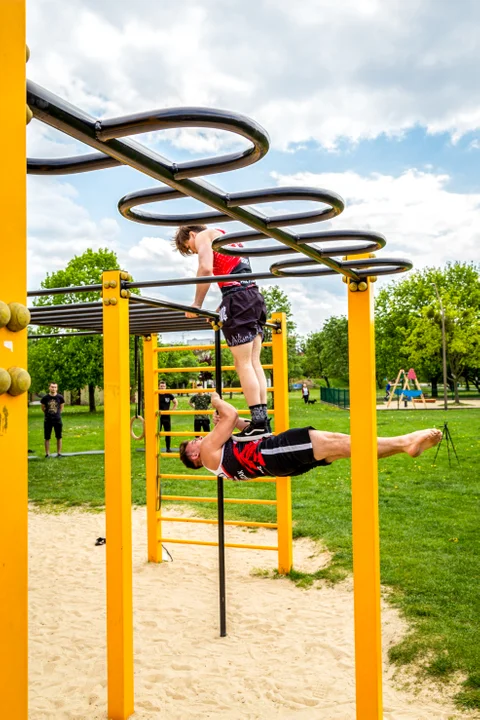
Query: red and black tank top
[229, 265]
[242, 460]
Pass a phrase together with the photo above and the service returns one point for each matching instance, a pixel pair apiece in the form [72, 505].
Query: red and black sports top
[231, 265]
[241, 460]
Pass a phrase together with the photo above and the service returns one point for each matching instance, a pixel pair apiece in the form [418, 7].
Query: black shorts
[243, 314]
[289, 453]
[49, 425]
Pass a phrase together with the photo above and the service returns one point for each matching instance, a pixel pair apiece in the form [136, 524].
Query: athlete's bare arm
[212, 444]
[203, 248]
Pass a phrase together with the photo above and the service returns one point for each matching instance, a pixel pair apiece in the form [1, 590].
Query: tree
[408, 328]
[180, 359]
[326, 352]
[72, 362]
[277, 301]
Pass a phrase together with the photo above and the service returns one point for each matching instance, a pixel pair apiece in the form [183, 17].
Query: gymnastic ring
[137, 437]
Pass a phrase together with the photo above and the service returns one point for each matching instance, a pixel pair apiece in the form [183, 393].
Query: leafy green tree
[277, 301]
[72, 362]
[326, 352]
[408, 334]
[462, 332]
[179, 359]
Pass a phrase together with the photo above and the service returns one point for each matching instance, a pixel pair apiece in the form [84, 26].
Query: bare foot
[422, 440]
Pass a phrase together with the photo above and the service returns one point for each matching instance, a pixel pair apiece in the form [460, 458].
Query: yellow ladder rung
[201, 368]
[215, 544]
[203, 412]
[237, 523]
[173, 476]
[182, 433]
[186, 348]
[235, 501]
[202, 390]
[169, 455]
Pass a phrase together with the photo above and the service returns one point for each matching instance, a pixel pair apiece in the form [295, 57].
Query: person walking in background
[52, 406]
[164, 400]
[201, 401]
[305, 393]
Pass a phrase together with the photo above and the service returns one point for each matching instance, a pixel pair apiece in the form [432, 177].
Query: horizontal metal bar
[155, 302]
[198, 347]
[168, 455]
[173, 476]
[62, 335]
[202, 368]
[181, 434]
[204, 412]
[233, 501]
[215, 544]
[201, 521]
[65, 291]
[203, 390]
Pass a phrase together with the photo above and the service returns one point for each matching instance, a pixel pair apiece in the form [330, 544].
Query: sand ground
[288, 654]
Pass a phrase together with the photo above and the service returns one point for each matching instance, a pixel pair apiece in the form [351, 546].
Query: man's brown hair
[182, 236]
[184, 457]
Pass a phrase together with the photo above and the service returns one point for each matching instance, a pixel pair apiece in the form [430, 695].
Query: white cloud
[420, 217]
[59, 228]
[316, 70]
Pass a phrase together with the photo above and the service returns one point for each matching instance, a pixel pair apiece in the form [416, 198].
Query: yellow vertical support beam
[13, 352]
[150, 364]
[282, 422]
[365, 528]
[118, 498]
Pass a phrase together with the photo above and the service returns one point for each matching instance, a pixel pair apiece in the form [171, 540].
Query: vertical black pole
[220, 503]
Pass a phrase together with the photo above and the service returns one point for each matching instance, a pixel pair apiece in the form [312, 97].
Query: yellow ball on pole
[5, 381]
[20, 317]
[5, 314]
[21, 381]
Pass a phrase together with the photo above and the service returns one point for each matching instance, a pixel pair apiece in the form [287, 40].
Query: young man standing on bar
[243, 315]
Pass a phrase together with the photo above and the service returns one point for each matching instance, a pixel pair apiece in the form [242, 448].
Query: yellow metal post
[13, 352]
[365, 528]
[151, 460]
[282, 422]
[118, 498]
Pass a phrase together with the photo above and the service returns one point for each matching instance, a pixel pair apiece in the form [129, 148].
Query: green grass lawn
[429, 520]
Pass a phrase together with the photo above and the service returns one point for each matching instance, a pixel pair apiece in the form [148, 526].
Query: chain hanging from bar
[104, 136]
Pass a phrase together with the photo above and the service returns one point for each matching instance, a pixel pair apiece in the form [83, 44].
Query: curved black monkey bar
[105, 137]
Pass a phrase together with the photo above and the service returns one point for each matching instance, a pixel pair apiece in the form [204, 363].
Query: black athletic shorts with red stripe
[243, 314]
[289, 453]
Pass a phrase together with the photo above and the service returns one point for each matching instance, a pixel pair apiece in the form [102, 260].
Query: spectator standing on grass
[164, 400]
[201, 401]
[52, 405]
[305, 393]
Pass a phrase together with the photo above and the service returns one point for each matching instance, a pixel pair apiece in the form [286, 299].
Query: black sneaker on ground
[252, 432]
[46, 457]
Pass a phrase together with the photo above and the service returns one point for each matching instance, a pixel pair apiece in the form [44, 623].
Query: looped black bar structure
[105, 136]
[239, 199]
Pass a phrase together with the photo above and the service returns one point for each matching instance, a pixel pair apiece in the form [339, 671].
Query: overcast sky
[376, 100]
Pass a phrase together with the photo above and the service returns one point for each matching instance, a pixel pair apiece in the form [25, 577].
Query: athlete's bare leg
[336, 446]
[243, 361]
[259, 371]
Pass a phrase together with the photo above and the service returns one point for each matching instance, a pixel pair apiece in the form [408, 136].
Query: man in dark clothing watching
[200, 401]
[164, 400]
[52, 406]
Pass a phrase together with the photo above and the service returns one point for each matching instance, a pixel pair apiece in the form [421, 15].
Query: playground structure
[119, 313]
[405, 392]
